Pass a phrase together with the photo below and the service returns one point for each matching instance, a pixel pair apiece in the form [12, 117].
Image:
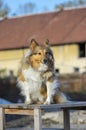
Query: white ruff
[32, 85]
[32, 75]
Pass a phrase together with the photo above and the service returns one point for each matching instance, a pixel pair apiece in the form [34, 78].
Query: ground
[49, 120]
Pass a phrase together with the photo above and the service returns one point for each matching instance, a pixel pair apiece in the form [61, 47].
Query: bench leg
[2, 119]
[66, 116]
[37, 119]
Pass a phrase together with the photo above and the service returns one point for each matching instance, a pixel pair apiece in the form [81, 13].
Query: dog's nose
[45, 61]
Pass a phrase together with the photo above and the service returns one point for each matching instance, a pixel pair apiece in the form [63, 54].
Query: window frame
[82, 50]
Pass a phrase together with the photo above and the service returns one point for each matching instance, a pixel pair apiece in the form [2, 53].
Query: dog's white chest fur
[31, 74]
[32, 85]
[33, 78]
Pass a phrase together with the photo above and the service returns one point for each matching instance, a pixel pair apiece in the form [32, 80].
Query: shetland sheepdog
[37, 79]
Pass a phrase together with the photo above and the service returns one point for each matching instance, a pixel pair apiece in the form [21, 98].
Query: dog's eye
[39, 53]
[35, 54]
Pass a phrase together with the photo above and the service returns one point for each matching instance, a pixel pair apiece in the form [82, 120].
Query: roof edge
[48, 12]
[16, 48]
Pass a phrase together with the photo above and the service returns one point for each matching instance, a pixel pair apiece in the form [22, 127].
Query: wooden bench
[36, 111]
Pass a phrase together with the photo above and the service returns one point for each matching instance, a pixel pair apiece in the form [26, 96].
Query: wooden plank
[52, 129]
[36, 110]
[66, 118]
[69, 105]
[19, 111]
[16, 105]
[37, 119]
[2, 119]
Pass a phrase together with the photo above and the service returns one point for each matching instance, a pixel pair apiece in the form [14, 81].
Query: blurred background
[63, 23]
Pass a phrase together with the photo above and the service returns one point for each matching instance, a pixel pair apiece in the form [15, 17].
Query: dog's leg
[27, 98]
[50, 92]
[24, 86]
[27, 95]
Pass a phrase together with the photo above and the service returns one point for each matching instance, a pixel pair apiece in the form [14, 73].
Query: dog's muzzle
[42, 67]
[45, 61]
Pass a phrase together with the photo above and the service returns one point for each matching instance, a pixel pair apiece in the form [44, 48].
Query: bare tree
[71, 3]
[26, 8]
[81, 2]
[4, 9]
[29, 8]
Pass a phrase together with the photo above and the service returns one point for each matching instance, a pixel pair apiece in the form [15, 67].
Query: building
[65, 29]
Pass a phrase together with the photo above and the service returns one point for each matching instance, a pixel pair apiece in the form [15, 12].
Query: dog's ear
[47, 43]
[33, 44]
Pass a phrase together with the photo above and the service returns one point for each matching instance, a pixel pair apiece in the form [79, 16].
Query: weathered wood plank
[19, 111]
[25, 109]
[33, 129]
[69, 105]
[37, 119]
[51, 129]
[66, 116]
[2, 119]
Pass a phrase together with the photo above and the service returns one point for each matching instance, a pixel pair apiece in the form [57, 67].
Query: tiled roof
[60, 27]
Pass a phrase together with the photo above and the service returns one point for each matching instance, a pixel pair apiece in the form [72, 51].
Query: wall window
[76, 69]
[57, 71]
[82, 50]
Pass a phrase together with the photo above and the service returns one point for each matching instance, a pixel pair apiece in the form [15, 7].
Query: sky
[40, 4]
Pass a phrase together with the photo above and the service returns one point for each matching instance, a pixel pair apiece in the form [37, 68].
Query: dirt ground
[48, 121]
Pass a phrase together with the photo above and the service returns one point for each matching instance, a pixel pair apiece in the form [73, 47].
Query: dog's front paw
[28, 101]
[47, 102]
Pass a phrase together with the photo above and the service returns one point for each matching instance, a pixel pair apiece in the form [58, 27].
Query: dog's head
[48, 57]
[41, 57]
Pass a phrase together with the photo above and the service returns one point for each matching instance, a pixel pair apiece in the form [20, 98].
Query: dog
[37, 80]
